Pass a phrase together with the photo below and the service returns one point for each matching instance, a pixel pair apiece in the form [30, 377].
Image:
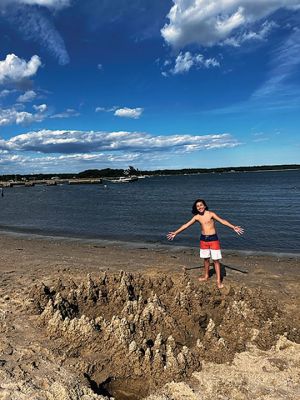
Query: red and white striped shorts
[210, 247]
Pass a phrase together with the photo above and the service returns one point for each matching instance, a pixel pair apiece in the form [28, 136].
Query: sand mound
[128, 334]
[253, 375]
[28, 369]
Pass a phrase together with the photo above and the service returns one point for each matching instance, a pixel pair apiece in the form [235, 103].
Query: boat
[124, 179]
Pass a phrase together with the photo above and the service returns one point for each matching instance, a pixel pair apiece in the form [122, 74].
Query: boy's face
[200, 207]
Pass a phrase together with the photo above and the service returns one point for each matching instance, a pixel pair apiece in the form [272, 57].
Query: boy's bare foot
[203, 279]
[220, 285]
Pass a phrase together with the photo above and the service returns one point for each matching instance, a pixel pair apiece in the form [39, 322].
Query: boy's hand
[238, 230]
[171, 235]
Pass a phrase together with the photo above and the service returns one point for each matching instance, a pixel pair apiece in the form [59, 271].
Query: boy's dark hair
[194, 208]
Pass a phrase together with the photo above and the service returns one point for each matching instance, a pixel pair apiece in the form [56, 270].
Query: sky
[92, 84]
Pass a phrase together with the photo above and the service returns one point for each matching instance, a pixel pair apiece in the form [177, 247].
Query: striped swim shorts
[210, 247]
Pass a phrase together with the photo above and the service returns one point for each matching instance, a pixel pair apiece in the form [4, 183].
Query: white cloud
[19, 163]
[284, 64]
[34, 24]
[55, 4]
[59, 150]
[28, 96]
[10, 116]
[40, 108]
[210, 22]
[100, 66]
[47, 3]
[261, 35]
[59, 141]
[126, 112]
[15, 69]
[278, 92]
[185, 61]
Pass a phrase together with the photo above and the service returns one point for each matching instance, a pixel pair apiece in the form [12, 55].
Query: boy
[209, 242]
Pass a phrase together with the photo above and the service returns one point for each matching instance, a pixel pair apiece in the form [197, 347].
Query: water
[266, 204]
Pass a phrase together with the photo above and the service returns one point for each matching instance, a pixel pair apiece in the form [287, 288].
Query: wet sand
[27, 349]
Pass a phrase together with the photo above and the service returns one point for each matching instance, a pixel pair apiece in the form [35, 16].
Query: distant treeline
[110, 173]
[220, 170]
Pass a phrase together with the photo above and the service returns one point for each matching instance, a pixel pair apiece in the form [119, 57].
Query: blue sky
[165, 84]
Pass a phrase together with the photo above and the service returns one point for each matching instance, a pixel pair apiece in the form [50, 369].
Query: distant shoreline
[115, 173]
[233, 171]
[97, 177]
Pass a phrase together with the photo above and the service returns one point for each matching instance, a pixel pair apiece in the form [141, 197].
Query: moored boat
[124, 179]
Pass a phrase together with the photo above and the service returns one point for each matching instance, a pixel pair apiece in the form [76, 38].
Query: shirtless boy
[209, 242]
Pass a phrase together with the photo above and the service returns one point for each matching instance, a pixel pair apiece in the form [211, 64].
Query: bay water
[265, 204]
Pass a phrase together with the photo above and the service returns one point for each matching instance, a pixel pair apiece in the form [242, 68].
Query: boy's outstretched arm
[171, 235]
[236, 228]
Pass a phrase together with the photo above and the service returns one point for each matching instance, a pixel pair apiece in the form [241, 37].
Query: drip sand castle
[133, 335]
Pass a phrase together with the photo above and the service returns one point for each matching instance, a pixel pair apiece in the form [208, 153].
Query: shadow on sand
[223, 269]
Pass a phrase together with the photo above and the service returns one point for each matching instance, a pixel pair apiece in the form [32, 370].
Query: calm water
[266, 204]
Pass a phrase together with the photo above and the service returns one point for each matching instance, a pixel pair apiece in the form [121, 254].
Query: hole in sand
[101, 388]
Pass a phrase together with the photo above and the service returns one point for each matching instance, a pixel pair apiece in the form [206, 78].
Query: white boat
[124, 179]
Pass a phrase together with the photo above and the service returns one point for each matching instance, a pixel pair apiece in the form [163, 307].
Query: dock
[50, 182]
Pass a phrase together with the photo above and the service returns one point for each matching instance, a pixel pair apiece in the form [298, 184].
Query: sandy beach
[74, 326]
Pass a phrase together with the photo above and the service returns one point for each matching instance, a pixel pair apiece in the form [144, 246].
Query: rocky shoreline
[89, 320]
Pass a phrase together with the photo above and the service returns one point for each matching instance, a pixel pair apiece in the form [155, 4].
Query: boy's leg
[218, 273]
[206, 270]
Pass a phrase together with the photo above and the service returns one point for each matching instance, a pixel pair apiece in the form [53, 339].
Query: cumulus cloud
[19, 163]
[68, 142]
[185, 61]
[15, 69]
[10, 116]
[61, 150]
[28, 96]
[40, 108]
[126, 112]
[210, 22]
